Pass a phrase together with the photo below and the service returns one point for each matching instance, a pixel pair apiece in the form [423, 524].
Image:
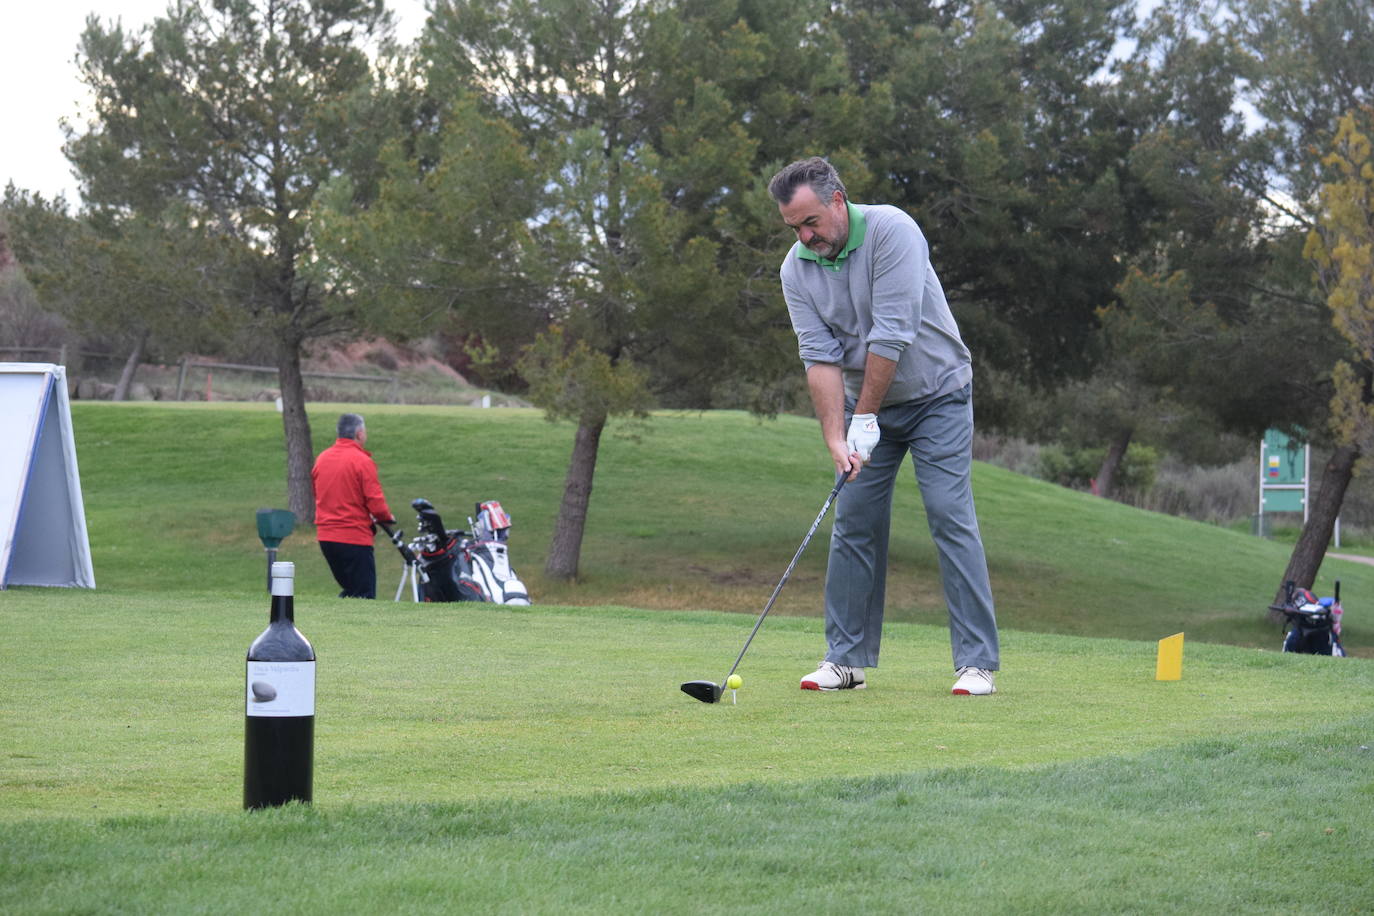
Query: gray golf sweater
[882, 298]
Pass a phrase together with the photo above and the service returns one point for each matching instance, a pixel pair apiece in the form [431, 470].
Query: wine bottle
[279, 696]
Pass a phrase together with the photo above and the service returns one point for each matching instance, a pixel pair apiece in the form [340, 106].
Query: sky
[38, 40]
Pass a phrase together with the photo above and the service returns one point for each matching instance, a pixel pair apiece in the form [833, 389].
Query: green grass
[542, 759]
[522, 760]
[472, 701]
[1217, 831]
[695, 511]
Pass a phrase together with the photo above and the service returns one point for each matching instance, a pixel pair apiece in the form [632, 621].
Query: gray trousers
[939, 436]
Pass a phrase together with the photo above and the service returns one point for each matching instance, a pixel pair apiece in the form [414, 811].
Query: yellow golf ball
[734, 682]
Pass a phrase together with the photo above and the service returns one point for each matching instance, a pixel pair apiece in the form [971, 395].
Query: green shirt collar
[858, 228]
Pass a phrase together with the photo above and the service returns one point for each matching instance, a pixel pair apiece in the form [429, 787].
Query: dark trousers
[353, 567]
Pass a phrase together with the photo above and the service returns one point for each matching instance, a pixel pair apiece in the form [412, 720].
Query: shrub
[1078, 468]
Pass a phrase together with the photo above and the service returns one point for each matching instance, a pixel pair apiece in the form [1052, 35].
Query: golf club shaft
[839, 485]
[406, 553]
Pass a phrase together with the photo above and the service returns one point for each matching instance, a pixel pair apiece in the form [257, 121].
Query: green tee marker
[273, 525]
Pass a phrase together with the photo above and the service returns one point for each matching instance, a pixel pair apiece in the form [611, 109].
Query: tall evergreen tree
[220, 121]
[1194, 326]
[1006, 137]
[648, 216]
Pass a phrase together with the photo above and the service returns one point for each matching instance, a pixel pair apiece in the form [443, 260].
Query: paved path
[1350, 556]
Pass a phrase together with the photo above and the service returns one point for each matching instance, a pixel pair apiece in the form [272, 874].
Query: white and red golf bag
[489, 558]
[455, 565]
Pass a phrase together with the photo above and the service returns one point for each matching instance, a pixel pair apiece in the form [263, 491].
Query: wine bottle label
[280, 688]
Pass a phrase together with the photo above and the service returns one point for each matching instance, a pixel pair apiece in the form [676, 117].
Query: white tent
[42, 518]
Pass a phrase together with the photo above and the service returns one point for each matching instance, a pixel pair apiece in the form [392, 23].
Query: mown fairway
[475, 759]
[481, 759]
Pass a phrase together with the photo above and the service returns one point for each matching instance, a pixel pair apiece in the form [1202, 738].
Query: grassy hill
[689, 510]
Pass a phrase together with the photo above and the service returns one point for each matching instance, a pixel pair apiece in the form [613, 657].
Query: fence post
[181, 377]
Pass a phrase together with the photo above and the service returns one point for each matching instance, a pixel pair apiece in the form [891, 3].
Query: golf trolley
[1312, 625]
[455, 565]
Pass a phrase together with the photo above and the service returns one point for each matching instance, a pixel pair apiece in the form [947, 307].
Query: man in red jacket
[348, 497]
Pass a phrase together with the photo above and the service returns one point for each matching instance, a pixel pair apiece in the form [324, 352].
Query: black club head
[705, 691]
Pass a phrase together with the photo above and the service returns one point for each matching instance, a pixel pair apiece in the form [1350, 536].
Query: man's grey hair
[349, 424]
[820, 175]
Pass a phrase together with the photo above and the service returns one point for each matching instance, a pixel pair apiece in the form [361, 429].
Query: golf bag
[456, 565]
[1312, 625]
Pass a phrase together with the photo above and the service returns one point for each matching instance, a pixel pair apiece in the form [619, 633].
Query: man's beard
[828, 250]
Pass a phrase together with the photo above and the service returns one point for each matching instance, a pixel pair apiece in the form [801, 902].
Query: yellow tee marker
[1169, 664]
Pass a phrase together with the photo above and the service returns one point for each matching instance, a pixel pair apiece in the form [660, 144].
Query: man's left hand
[863, 435]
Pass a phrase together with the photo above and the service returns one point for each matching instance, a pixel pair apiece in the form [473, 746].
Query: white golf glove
[863, 435]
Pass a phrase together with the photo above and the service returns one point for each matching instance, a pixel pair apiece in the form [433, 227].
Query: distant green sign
[1283, 473]
[1283, 500]
[1284, 460]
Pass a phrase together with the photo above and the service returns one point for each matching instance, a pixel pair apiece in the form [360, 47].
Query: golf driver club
[709, 691]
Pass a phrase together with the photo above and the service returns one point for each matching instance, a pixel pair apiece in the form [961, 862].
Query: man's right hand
[846, 462]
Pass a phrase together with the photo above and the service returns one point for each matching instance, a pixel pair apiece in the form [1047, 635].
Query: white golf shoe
[830, 676]
[974, 682]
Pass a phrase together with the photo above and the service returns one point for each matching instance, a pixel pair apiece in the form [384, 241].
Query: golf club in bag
[455, 565]
[709, 691]
[1312, 625]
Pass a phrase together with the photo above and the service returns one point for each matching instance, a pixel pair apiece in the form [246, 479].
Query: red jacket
[348, 495]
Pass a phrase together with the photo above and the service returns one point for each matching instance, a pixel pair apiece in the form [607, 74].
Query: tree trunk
[300, 454]
[1111, 462]
[1310, 550]
[126, 377]
[566, 546]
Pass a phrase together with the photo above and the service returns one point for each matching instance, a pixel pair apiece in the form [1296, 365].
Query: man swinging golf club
[888, 375]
